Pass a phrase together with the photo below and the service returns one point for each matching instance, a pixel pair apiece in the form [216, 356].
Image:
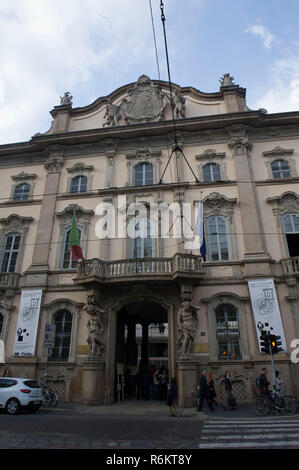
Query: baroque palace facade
[151, 300]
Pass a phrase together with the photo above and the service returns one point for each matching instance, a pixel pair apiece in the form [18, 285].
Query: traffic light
[265, 343]
[275, 343]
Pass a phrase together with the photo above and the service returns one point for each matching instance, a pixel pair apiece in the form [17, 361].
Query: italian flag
[74, 241]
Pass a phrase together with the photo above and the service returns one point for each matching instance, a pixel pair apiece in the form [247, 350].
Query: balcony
[180, 266]
[291, 266]
[9, 280]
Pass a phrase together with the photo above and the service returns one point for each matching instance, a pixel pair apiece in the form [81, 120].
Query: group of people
[263, 383]
[206, 391]
[152, 381]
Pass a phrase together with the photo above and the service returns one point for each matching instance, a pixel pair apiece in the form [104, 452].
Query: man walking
[204, 392]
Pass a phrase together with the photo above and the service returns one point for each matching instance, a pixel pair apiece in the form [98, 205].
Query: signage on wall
[27, 324]
[265, 307]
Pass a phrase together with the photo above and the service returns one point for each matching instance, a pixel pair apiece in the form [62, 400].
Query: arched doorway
[140, 335]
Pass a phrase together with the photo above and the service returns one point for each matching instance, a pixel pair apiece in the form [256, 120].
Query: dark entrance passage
[141, 350]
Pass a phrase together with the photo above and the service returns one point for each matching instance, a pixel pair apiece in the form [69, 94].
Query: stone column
[251, 221]
[131, 344]
[38, 272]
[144, 344]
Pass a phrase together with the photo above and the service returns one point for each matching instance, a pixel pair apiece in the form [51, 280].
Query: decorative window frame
[214, 205]
[279, 153]
[238, 303]
[23, 178]
[80, 169]
[143, 155]
[211, 156]
[287, 203]
[15, 224]
[65, 222]
[75, 309]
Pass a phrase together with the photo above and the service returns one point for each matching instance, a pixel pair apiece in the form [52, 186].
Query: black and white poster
[265, 307]
[27, 323]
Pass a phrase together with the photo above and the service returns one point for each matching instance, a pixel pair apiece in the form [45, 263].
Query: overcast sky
[92, 47]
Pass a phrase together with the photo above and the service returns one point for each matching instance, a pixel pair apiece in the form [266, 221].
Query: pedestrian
[163, 384]
[6, 371]
[198, 395]
[278, 384]
[211, 390]
[204, 395]
[264, 383]
[229, 390]
[156, 385]
[172, 397]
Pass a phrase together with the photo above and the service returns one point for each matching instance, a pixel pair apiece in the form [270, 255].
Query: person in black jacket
[204, 392]
[172, 397]
[264, 383]
[229, 390]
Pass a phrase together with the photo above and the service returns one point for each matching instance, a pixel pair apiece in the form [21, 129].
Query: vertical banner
[265, 308]
[29, 310]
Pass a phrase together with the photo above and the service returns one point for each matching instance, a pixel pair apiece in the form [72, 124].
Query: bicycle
[285, 404]
[50, 396]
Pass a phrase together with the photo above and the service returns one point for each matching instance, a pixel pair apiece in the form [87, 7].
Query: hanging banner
[265, 308]
[26, 331]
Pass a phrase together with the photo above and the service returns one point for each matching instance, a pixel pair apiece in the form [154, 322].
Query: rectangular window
[10, 253]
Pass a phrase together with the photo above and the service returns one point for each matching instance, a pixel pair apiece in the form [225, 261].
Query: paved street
[145, 425]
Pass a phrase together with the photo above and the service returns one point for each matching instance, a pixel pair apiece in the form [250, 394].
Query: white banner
[27, 323]
[265, 308]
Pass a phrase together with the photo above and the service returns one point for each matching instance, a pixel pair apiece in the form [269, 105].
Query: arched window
[10, 253]
[280, 169]
[290, 224]
[79, 184]
[218, 248]
[211, 172]
[143, 174]
[21, 192]
[227, 332]
[62, 321]
[67, 261]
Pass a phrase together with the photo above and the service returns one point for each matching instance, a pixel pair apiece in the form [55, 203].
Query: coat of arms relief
[147, 102]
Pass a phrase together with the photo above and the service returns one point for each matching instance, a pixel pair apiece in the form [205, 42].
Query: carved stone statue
[187, 323]
[112, 115]
[226, 80]
[96, 329]
[179, 105]
[66, 98]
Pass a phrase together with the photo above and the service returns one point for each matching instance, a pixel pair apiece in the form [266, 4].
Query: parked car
[17, 393]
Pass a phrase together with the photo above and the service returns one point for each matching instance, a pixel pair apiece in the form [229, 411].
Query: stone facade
[242, 164]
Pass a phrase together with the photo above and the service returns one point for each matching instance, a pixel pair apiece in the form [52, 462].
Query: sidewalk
[158, 409]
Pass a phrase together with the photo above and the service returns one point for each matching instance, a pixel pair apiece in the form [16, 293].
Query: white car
[17, 393]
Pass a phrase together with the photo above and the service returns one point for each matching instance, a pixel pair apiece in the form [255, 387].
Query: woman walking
[211, 390]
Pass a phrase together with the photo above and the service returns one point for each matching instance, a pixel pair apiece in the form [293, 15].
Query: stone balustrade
[9, 280]
[291, 265]
[155, 267]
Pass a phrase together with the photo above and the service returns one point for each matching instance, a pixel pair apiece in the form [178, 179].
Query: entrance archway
[140, 333]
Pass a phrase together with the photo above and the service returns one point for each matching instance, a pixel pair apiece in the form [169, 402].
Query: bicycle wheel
[287, 405]
[260, 407]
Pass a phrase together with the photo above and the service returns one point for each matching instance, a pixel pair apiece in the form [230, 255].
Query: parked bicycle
[285, 404]
[50, 396]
